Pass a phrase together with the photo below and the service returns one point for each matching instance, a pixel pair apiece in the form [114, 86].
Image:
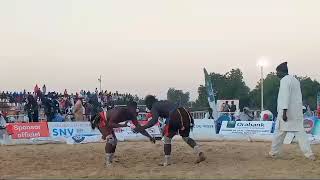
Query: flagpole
[100, 79]
[262, 89]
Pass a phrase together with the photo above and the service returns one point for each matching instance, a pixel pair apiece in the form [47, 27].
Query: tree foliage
[232, 86]
[202, 101]
[227, 86]
[178, 96]
[271, 89]
[310, 88]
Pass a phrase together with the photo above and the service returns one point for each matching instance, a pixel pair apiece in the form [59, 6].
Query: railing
[198, 114]
[202, 114]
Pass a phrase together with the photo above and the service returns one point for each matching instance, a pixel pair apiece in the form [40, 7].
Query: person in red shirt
[107, 121]
[36, 88]
[65, 93]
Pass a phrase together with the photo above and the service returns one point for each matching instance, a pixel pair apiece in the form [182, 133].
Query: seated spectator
[58, 118]
[246, 115]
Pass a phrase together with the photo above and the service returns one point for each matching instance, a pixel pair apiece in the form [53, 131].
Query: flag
[211, 95]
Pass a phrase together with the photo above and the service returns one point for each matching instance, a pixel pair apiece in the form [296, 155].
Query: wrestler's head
[132, 107]
[149, 101]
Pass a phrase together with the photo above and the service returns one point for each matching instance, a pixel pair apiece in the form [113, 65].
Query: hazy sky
[147, 46]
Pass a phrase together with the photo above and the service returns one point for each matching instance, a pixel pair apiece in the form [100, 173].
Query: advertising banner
[204, 129]
[28, 130]
[246, 127]
[71, 129]
[81, 132]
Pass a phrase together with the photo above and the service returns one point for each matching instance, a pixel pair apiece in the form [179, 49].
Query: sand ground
[141, 159]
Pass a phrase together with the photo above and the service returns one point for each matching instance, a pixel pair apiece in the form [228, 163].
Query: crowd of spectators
[62, 106]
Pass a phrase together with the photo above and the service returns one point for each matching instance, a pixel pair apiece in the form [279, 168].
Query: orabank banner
[246, 128]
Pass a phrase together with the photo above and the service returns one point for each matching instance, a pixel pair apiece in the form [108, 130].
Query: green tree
[175, 95]
[227, 86]
[271, 89]
[232, 86]
[202, 100]
[309, 90]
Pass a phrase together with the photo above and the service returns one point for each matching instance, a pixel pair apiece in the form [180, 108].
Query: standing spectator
[36, 89]
[290, 115]
[78, 111]
[88, 110]
[222, 107]
[233, 107]
[44, 89]
[209, 114]
[65, 93]
[226, 107]
[48, 108]
[69, 114]
[32, 109]
[56, 104]
[63, 104]
[82, 93]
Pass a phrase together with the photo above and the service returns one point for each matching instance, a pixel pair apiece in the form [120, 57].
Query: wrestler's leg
[167, 139]
[185, 134]
[110, 149]
[167, 150]
[196, 148]
[114, 147]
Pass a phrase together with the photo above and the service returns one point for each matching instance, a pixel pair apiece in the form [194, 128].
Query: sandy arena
[141, 159]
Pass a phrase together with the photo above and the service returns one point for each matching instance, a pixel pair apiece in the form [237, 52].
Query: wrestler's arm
[143, 132]
[111, 123]
[153, 121]
[102, 130]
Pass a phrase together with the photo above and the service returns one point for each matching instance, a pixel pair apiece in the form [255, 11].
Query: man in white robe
[290, 114]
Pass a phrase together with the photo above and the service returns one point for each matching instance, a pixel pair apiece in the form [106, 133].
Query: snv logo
[63, 132]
